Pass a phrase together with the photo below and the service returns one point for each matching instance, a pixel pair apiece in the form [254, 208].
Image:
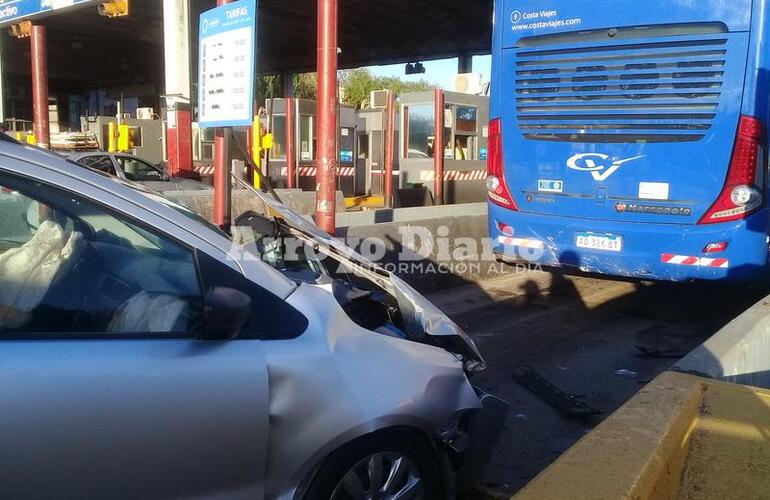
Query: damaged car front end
[461, 421]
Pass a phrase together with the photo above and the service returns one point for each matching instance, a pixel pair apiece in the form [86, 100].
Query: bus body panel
[623, 124]
[523, 18]
[645, 245]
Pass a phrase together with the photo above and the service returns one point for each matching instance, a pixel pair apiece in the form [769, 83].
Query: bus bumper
[666, 252]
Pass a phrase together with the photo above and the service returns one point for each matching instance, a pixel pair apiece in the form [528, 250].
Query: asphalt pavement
[599, 341]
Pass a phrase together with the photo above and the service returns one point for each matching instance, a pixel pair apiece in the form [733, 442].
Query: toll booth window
[466, 133]
[420, 126]
[306, 138]
[279, 138]
[136, 137]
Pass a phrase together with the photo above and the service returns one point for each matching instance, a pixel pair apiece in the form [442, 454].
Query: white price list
[225, 76]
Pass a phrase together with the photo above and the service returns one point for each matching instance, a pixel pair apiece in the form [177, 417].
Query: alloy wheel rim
[381, 476]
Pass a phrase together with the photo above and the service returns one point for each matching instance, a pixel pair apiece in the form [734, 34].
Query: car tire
[418, 460]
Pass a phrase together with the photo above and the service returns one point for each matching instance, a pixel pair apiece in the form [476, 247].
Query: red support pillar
[291, 145]
[222, 202]
[40, 86]
[179, 140]
[390, 133]
[438, 147]
[327, 116]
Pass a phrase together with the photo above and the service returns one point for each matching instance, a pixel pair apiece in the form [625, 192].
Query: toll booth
[146, 134]
[370, 158]
[464, 147]
[306, 146]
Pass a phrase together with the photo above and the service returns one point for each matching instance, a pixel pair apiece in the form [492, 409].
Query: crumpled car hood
[420, 314]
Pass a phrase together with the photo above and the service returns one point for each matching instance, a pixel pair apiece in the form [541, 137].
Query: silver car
[146, 354]
[132, 168]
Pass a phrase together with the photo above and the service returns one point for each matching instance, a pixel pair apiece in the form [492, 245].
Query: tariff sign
[226, 65]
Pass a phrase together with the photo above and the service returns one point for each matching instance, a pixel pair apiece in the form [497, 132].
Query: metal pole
[291, 146]
[327, 116]
[2, 85]
[389, 149]
[177, 64]
[222, 201]
[438, 150]
[40, 86]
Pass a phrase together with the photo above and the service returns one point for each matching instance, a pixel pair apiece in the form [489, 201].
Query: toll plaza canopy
[88, 52]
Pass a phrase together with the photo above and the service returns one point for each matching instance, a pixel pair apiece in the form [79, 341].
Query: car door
[106, 390]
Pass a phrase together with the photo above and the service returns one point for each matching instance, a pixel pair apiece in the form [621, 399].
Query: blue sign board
[226, 65]
[483, 154]
[15, 11]
[346, 156]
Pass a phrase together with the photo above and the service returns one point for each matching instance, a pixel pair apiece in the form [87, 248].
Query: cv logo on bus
[600, 165]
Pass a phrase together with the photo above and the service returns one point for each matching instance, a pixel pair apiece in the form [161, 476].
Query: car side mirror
[226, 313]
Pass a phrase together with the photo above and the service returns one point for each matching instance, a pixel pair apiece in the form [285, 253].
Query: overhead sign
[226, 65]
[15, 11]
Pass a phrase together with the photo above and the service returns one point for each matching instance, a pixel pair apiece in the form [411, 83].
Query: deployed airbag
[28, 271]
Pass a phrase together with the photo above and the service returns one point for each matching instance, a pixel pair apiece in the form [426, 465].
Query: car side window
[272, 318]
[139, 171]
[69, 266]
[102, 163]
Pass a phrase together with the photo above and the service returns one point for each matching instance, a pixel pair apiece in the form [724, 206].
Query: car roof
[93, 183]
[82, 154]
[133, 193]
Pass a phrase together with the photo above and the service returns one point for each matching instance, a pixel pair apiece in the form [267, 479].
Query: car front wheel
[388, 466]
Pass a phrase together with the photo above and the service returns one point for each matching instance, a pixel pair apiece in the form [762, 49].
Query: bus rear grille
[631, 92]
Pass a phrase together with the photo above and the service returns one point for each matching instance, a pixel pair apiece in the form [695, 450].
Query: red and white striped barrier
[205, 170]
[312, 171]
[382, 172]
[455, 175]
[687, 260]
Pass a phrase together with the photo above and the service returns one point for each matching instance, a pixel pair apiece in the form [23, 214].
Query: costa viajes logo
[601, 166]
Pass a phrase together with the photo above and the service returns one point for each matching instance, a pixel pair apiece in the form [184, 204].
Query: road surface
[583, 335]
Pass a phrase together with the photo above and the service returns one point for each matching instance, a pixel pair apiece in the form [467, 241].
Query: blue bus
[628, 138]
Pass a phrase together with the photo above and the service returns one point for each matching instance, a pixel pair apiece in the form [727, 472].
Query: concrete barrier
[407, 215]
[681, 437]
[430, 249]
[301, 202]
[739, 353]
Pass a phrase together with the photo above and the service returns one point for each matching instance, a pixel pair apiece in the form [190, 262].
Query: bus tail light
[742, 192]
[499, 194]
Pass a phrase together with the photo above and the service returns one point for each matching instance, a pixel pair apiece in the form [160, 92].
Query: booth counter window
[307, 139]
[420, 124]
[465, 140]
[279, 137]
[460, 132]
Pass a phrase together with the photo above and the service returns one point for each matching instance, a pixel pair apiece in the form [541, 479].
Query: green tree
[359, 83]
[306, 86]
[267, 87]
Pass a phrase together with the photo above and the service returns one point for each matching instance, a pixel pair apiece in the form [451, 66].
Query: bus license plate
[594, 241]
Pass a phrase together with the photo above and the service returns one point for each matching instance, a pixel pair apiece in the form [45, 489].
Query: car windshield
[138, 170]
[183, 210]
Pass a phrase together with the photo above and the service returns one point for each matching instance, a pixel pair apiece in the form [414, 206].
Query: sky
[438, 72]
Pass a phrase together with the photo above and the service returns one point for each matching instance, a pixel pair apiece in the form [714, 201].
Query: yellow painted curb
[681, 437]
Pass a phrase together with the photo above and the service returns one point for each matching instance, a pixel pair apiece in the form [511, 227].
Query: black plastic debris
[566, 403]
